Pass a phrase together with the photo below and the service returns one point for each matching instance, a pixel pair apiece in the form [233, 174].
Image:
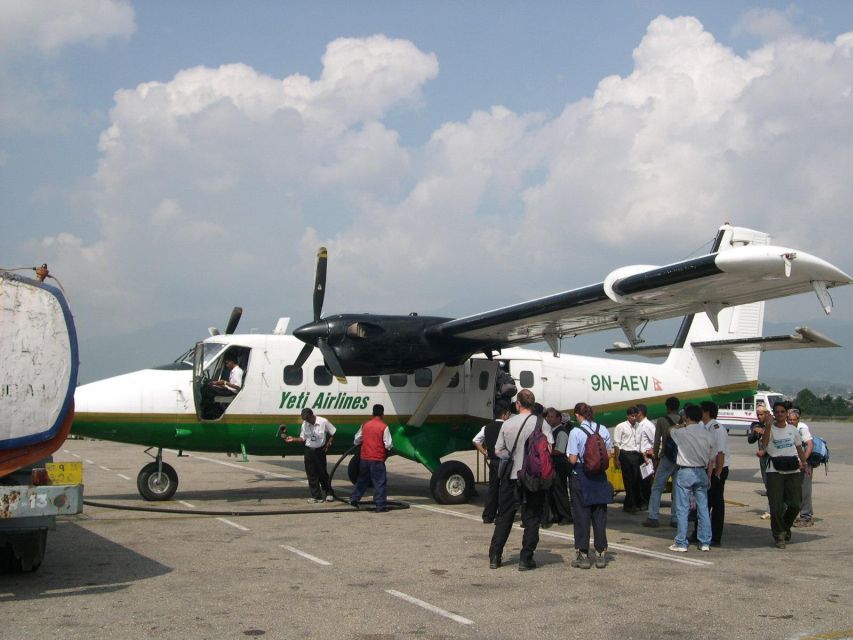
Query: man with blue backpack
[816, 453]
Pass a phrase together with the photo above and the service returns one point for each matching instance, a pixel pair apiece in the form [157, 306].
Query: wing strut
[823, 295]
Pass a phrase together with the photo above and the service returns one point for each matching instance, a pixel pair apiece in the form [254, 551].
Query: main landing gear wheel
[452, 483]
[155, 485]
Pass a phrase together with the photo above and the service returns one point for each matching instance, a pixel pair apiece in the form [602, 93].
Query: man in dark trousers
[375, 440]
[510, 446]
[558, 507]
[317, 433]
[484, 442]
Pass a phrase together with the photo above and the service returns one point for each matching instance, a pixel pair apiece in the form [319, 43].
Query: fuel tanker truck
[38, 375]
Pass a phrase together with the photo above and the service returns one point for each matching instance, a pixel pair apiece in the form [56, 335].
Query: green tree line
[812, 405]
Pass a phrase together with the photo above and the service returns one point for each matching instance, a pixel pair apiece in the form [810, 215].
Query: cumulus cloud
[221, 183]
[49, 25]
[32, 34]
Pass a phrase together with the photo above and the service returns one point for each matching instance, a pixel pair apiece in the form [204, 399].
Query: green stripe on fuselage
[438, 437]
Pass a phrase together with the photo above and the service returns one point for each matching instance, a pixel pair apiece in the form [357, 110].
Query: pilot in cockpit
[232, 385]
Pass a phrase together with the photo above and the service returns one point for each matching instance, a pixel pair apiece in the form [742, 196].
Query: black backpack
[670, 449]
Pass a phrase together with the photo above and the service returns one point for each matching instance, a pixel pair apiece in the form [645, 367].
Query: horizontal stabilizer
[647, 351]
[803, 338]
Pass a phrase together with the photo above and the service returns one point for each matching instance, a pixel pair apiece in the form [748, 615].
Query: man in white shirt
[646, 434]
[318, 434]
[784, 488]
[719, 472]
[805, 519]
[627, 458]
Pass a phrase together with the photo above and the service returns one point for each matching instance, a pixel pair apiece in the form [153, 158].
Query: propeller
[233, 321]
[316, 333]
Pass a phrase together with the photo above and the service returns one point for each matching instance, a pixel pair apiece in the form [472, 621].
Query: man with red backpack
[510, 447]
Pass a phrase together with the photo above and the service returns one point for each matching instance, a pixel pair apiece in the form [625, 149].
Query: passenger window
[398, 379]
[454, 381]
[526, 379]
[423, 377]
[484, 380]
[370, 381]
[292, 375]
[322, 376]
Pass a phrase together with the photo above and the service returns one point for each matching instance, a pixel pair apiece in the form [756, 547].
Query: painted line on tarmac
[121, 475]
[657, 555]
[243, 467]
[233, 524]
[187, 504]
[429, 607]
[100, 466]
[307, 556]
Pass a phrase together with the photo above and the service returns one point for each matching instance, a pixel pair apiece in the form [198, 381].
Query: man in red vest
[375, 439]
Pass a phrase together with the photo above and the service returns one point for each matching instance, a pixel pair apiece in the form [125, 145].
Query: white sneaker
[675, 547]
[313, 500]
[765, 515]
[330, 498]
[705, 547]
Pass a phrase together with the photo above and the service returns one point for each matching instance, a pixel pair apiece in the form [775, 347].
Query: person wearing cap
[318, 434]
[375, 440]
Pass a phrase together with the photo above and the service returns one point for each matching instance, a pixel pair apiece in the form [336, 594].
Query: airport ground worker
[783, 447]
[317, 433]
[697, 451]
[375, 440]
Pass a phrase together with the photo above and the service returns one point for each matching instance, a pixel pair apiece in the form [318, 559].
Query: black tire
[353, 468]
[155, 487]
[24, 552]
[452, 483]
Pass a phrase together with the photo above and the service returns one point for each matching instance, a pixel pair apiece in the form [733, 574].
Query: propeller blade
[303, 355]
[331, 360]
[233, 320]
[320, 283]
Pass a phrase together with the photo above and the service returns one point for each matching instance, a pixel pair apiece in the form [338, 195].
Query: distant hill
[821, 370]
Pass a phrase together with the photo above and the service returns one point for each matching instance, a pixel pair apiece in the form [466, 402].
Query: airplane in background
[437, 377]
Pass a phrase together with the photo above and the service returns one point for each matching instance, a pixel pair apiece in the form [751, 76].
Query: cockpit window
[212, 351]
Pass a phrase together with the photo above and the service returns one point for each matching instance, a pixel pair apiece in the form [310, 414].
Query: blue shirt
[577, 438]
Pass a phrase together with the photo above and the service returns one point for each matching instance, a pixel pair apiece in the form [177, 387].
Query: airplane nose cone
[313, 331]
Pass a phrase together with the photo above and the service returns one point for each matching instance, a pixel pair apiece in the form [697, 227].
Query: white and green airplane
[437, 377]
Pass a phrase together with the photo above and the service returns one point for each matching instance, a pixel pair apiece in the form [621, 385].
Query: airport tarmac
[415, 573]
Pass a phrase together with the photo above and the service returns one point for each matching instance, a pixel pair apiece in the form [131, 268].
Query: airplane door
[480, 389]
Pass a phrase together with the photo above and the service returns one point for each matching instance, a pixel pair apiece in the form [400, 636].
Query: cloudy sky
[172, 160]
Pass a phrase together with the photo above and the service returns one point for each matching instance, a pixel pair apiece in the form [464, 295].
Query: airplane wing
[630, 296]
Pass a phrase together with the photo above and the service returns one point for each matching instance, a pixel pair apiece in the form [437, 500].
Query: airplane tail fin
[722, 367]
